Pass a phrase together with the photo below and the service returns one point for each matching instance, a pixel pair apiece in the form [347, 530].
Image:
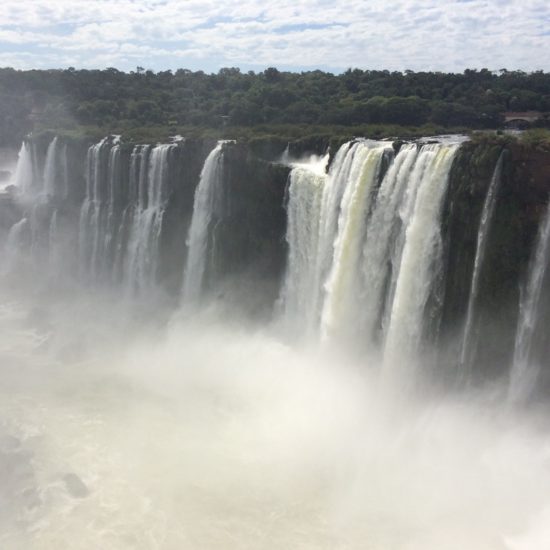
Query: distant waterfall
[16, 247]
[468, 345]
[524, 373]
[149, 190]
[24, 172]
[38, 185]
[51, 168]
[120, 224]
[92, 212]
[364, 250]
[206, 196]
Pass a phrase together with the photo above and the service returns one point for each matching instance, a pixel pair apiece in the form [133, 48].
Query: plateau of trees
[114, 101]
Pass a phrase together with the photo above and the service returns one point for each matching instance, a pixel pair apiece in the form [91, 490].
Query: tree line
[115, 100]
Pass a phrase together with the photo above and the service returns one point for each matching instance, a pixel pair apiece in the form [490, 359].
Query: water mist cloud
[213, 435]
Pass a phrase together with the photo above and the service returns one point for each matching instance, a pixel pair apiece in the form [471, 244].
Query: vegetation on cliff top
[144, 104]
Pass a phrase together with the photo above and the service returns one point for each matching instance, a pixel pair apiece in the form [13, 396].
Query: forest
[145, 103]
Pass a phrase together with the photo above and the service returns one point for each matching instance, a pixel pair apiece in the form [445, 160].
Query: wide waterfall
[365, 245]
[229, 345]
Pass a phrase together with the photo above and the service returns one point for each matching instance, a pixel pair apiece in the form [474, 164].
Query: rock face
[248, 248]
[520, 203]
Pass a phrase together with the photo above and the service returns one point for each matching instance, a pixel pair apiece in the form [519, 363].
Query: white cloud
[415, 34]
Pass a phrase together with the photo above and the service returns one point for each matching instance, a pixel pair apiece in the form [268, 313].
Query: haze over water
[128, 425]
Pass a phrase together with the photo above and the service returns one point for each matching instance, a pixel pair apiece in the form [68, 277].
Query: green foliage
[129, 102]
[537, 138]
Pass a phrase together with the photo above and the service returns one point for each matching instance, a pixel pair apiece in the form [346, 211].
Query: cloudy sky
[447, 35]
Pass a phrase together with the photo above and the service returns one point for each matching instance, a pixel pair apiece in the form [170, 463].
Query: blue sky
[446, 35]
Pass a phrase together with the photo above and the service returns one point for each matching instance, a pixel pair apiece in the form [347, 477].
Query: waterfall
[333, 192]
[149, 190]
[467, 350]
[524, 373]
[358, 246]
[15, 247]
[51, 174]
[420, 244]
[313, 210]
[305, 193]
[91, 212]
[343, 285]
[24, 173]
[206, 195]
[54, 249]
[381, 231]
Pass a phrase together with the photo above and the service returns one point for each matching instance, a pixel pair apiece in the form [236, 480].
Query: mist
[121, 432]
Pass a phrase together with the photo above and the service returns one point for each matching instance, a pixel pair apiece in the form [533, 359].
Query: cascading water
[24, 173]
[141, 267]
[524, 371]
[206, 195]
[340, 308]
[420, 257]
[467, 350]
[51, 175]
[89, 234]
[326, 216]
[366, 244]
[16, 246]
[305, 192]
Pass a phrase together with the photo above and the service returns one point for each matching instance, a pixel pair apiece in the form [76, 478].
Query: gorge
[344, 341]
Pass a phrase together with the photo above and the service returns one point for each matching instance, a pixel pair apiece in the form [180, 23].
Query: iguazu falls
[274, 275]
[205, 347]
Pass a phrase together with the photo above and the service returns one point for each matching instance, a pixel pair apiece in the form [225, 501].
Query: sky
[442, 35]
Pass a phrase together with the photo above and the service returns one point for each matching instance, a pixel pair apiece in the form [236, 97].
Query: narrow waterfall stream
[523, 376]
[206, 194]
[467, 349]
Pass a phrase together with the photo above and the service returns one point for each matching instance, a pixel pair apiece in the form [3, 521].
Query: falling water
[24, 173]
[420, 257]
[340, 309]
[326, 218]
[524, 373]
[90, 211]
[381, 231]
[355, 246]
[305, 193]
[149, 188]
[15, 247]
[333, 192]
[467, 350]
[51, 174]
[206, 195]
